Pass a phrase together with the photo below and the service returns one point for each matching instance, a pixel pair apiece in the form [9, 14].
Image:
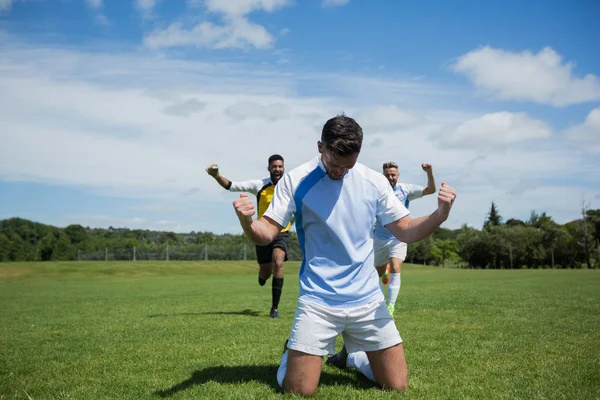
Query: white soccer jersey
[334, 222]
[405, 192]
[252, 186]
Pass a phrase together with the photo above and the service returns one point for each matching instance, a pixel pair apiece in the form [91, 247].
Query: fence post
[244, 252]
[133, 253]
[78, 255]
[205, 252]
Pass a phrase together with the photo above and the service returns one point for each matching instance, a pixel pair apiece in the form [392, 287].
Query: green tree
[445, 250]
[493, 217]
[420, 252]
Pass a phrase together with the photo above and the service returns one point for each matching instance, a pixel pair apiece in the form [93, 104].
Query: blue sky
[110, 110]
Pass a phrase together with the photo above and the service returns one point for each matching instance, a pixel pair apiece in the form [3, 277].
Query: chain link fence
[176, 253]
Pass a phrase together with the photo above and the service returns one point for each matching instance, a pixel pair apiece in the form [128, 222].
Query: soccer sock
[276, 291]
[261, 281]
[283, 368]
[393, 288]
[360, 361]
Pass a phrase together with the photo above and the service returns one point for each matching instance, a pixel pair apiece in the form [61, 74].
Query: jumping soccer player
[270, 256]
[389, 250]
[335, 201]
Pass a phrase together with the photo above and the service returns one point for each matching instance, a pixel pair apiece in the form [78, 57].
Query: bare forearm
[430, 189]
[413, 230]
[224, 182]
[260, 231]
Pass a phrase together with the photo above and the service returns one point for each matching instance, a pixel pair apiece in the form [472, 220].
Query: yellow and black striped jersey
[263, 189]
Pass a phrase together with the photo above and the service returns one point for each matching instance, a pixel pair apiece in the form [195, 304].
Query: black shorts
[264, 254]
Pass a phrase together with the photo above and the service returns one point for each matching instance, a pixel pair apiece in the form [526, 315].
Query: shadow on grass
[265, 374]
[246, 312]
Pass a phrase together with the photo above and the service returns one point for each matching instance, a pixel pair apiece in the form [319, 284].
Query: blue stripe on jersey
[311, 180]
[405, 196]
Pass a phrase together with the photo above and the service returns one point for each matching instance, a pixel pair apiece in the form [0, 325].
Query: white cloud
[5, 5]
[146, 7]
[248, 110]
[542, 78]
[185, 108]
[95, 4]
[334, 3]
[497, 129]
[588, 133]
[145, 127]
[96, 7]
[243, 7]
[386, 118]
[235, 31]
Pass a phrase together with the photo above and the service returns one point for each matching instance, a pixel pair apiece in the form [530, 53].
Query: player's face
[276, 170]
[392, 175]
[336, 166]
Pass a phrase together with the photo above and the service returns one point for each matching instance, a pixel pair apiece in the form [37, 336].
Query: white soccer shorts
[385, 249]
[369, 327]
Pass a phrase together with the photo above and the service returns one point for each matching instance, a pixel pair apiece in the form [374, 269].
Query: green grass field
[201, 330]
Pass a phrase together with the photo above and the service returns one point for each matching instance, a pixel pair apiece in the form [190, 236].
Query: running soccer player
[270, 256]
[389, 250]
[335, 201]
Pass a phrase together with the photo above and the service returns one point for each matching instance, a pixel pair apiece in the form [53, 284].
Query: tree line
[536, 243]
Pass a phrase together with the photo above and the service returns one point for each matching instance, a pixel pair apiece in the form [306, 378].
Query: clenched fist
[446, 198]
[212, 170]
[244, 207]
[426, 167]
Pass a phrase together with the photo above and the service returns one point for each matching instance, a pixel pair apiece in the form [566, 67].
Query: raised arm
[261, 231]
[410, 230]
[430, 188]
[213, 170]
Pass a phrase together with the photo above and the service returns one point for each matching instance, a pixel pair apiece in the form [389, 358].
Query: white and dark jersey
[263, 189]
[334, 222]
[405, 192]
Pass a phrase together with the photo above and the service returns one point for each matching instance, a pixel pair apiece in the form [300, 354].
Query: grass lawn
[152, 330]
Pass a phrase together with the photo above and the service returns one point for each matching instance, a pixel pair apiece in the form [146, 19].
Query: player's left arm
[410, 230]
[430, 188]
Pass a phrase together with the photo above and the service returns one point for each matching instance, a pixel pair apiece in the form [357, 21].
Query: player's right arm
[213, 170]
[251, 186]
[261, 231]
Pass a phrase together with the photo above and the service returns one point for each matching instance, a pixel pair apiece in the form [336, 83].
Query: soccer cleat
[338, 360]
[274, 313]
[386, 277]
[391, 309]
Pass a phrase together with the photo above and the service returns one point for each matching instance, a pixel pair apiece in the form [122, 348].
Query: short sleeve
[282, 207]
[414, 191]
[251, 186]
[389, 208]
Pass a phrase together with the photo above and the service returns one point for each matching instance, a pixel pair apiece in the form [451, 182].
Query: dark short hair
[342, 135]
[275, 157]
[390, 164]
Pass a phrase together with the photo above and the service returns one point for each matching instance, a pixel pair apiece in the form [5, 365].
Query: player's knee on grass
[389, 368]
[303, 373]
[299, 388]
